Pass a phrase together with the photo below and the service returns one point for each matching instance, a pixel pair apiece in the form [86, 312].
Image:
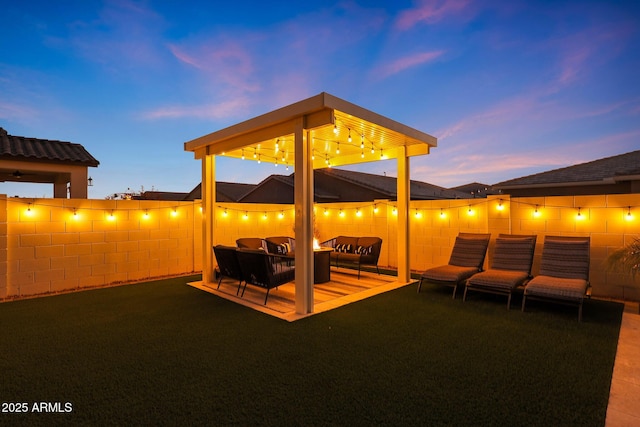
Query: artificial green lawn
[165, 353]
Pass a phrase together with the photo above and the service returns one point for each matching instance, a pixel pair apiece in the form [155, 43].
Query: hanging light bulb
[277, 148]
[628, 216]
[335, 129]
[255, 153]
[338, 148]
[373, 150]
[362, 140]
[349, 138]
[500, 205]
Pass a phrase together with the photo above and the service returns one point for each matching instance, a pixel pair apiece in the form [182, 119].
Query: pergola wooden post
[323, 118]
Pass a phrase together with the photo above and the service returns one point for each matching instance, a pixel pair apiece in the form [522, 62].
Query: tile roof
[43, 150]
[607, 170]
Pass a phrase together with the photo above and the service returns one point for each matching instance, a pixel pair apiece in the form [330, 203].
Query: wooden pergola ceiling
[341, 134]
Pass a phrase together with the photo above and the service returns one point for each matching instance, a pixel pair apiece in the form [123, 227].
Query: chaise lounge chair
[564, 272]
[467, 258]
[510, 267]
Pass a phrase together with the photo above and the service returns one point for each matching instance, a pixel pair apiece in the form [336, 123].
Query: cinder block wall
[52, 245]
[50, 249]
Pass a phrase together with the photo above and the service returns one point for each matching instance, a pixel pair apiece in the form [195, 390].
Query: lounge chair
[467, 258]
[510, 267]
[262, 269]
[564, 272]
[228, 264]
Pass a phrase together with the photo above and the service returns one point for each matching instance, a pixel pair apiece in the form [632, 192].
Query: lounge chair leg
[219, 281]
[377, 269]
[509, 302]
[243, 289]
[464, 296]
[524, 299]
[580, 312]
[239, 285]
[419, 285]
[455, 288]
[267, 296]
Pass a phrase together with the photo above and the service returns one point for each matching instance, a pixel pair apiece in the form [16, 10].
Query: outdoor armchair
[356, 251]
[262, 269]
[510, 267]
[228, 264]
[252, 243]
[564, 272]
[467, 259]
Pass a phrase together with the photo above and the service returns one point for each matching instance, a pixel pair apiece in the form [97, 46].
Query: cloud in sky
[432, 11]
[409, 61]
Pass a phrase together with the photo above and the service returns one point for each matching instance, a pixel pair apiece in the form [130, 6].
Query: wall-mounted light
[90, 182]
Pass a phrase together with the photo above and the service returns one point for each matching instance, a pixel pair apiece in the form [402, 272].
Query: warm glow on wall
[536, 212]
[628, 216]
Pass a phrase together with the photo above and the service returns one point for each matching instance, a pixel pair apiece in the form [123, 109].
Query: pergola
[318, 132]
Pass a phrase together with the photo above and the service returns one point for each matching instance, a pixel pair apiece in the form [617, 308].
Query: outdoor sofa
[355, 251]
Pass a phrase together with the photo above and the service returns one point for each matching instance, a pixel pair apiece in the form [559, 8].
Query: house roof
[388, 185]
[623, 167]
[225, 191]
[43, 150]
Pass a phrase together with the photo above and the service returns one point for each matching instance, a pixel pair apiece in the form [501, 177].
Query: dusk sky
[509, 88]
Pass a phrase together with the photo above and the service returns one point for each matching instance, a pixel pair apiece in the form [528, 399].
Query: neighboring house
[225, 191]
[339, 185]
[475, 189]
[612, 175]
[63, 164]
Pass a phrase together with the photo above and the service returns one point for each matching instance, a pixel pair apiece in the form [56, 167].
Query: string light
[243, 154]
[442, 214]
[146, 214]
[536, 212]
[281, 214]
[338, 147]
[335, 128]
[579, 215]
[349, 138]
[628, 216]
[174, 212]
[500, 205]
[358, 213]
[341, 213]
[111, 216]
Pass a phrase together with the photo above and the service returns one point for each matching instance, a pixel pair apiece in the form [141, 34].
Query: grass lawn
[165, 353]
